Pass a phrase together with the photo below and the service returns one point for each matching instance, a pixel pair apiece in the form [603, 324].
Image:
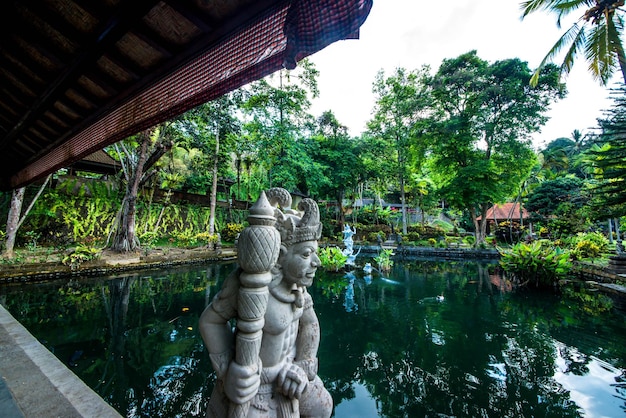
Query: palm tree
[578, 144]
[597, 35]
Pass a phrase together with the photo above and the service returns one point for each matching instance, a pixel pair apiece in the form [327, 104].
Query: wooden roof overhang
[98, 163]
[77, 75]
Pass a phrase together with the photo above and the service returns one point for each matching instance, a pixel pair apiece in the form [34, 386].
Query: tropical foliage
[383, 259]
[448, 144]
[597, 35]
[484, 115]
[332, 258]
[538, 263]
[79, 255]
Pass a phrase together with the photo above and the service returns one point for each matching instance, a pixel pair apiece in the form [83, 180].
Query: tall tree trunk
[248, 170]
[618, 235]
[342, 218]
[125, 239]
[480, 225]
[17, 197]
[238, 165]
[13, 225]
[403, 203]
[214, 185]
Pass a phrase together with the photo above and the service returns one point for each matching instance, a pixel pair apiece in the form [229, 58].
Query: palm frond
[600, 55]
[561, 8]
[575, 36]
[577, 43]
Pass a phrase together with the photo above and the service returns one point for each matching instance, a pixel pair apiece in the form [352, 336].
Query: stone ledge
[23, 273]
[41, 385]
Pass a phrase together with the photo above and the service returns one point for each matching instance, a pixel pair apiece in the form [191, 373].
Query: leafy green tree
[401, 100]
[562, 156]
[546, 198]
[606, 159]
[562, 204]
[277, 108]
[423, 188]
[597, 35]
[378, 166]
[137, 156]
[578, 144]
[555, 156]
[480, 130]
[212, 127]
[340, 157]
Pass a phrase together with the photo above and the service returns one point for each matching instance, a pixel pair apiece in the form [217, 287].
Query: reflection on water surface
[430, 339]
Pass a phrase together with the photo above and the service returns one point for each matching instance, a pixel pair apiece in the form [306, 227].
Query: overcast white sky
[410, 33]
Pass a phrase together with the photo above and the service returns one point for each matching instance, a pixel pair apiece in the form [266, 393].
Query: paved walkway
[35, 384]
[8, 406]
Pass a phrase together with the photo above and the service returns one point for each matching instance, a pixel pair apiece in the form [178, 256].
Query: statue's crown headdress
[293, 226]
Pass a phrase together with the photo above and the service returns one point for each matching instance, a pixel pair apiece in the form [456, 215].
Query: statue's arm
[308, 340]
[241, 383]
[218, 338]
[215, 328]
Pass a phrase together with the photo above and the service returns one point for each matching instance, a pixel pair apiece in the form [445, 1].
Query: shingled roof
[506, 211]
[77, 75]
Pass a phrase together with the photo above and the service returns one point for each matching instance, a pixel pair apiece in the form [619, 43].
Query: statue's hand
[292, 381]
[309, 366]
[242, 382]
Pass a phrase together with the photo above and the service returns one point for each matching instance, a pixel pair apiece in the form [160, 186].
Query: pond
[431, 338]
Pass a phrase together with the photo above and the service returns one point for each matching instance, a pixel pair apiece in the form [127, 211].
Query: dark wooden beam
[112, 30]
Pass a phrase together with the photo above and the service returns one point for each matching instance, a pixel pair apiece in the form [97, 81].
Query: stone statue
[349, 242]
[268, 366]
[347, 237]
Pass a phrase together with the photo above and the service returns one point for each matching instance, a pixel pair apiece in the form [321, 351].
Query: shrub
[148, 238]
[539, 262]
[80, 254]
[184, 238]
[470, 240]
[509, 232]
[383, 259]
[412, 236]
[373, 236]
[427, 231]
[231, 231]
[596, 238]
[443, 225]
[363, 231]
[372, 215]
[332, 258]
[432, 242]
[585, 249]
[453, 241]
[206, 238]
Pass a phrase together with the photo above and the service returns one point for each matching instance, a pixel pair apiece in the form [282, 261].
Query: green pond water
[432, 338]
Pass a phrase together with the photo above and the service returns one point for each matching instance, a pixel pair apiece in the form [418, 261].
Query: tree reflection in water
[477, 351]
[432, 338]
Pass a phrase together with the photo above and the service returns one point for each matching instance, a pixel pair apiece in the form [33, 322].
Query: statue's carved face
[299, 262]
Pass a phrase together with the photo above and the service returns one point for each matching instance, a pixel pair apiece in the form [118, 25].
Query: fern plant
[80, 254]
